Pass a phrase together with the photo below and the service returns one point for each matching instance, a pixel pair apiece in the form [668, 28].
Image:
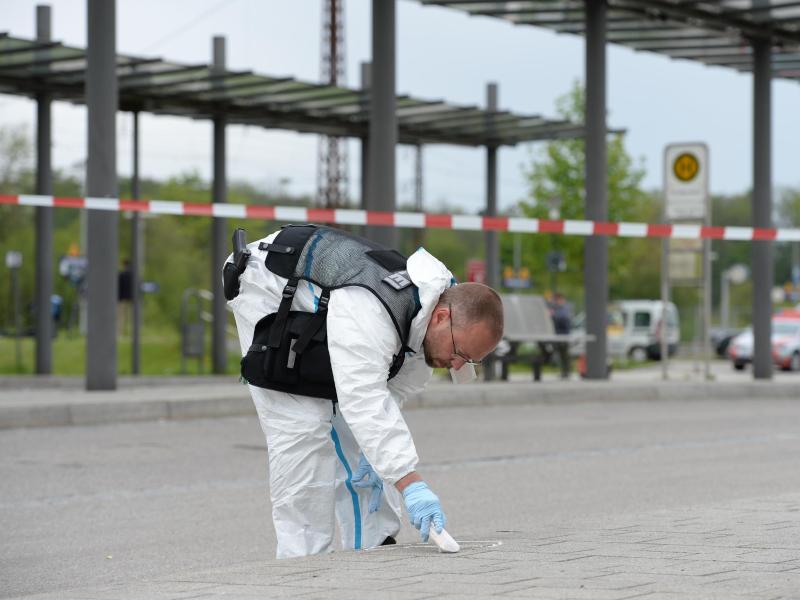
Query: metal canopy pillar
[491, 239]
[492, 245]
[365, 82]
[219, 353]
[762, 267]
[101, 182]
[382, 120]
[44, 215]
[136, 255]
[595, 269]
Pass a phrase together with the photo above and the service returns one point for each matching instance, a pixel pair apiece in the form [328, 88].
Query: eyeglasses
[456, 353]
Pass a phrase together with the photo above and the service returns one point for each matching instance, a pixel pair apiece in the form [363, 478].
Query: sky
[441, 54]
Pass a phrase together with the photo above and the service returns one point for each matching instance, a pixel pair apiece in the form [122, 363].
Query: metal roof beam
[714, 52]
[713, 21]
[456, 112]
[624, 37]
[176, 71]
[287, 84]
[224, 92]
[433, 106]
[458, 2]
[34, 47]
[477, 123]
[310, 93]
[326, 104]
[760, 9]
[745, 64]
[745, 55]
[524, 10]
[419, 107]
[40, 61]
[570, 21]
[170, 89]
[619, 26]
[529, 123]
[194, 91]
[336, 97]
[669, 48]
[62, 74]
[789, 20]
[498, 122]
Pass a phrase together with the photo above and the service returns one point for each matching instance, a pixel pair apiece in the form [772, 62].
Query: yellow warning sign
[686, 166]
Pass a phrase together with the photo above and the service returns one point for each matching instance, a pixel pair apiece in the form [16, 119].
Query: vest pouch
[308, 373]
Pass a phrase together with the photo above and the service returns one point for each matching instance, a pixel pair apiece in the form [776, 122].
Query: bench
[527, 320]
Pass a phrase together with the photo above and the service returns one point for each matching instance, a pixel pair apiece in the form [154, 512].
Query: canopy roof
[199, 91]
[714, 32]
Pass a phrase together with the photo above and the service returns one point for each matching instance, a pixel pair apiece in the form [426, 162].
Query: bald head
[465, 326]
[476, 304]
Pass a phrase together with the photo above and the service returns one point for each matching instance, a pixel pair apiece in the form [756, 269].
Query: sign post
[476, 271]
[686, 262]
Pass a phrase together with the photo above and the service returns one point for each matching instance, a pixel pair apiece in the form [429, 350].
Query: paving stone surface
[638, 499]
[743, 549]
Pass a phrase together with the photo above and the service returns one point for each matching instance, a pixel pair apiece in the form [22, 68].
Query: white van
[634, 330]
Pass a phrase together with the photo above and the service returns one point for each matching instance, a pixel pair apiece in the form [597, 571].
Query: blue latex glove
[365, 477]
[423, 508]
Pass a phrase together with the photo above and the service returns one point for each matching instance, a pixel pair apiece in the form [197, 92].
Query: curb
[70, 406]
[502, 394]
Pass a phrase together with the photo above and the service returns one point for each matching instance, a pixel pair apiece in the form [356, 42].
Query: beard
[431, 360]
[426, 352]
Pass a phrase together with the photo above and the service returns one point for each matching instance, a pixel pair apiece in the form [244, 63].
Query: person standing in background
[562, 323]
[124, 297]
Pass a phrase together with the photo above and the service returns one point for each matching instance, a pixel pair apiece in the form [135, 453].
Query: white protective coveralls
[312, 452]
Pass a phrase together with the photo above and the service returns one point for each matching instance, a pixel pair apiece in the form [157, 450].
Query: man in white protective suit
[324, 315]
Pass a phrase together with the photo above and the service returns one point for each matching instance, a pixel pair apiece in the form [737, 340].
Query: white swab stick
[444, 540]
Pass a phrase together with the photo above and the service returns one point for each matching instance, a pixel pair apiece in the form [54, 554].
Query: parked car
[634, 329]
[785, 345]
[721, 338]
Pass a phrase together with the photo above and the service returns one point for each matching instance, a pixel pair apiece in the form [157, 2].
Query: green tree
[15, 231]
[787, 254]
[556, 179]
[789, 208]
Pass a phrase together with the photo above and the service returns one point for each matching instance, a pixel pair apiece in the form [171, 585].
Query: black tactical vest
[289, 352]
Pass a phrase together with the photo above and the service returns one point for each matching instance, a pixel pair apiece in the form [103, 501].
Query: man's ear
[440, 313]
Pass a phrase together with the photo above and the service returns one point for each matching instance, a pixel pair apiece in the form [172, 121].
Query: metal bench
[527, 320]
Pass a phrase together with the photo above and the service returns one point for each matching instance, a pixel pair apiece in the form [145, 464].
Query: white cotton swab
[444, 540]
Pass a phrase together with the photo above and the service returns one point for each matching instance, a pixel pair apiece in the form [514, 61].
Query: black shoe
[389, 541]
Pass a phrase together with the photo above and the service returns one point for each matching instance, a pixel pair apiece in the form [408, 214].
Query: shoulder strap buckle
[322, 304]
[290, 289]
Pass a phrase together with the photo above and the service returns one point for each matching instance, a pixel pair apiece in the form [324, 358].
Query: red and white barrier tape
[291, 214]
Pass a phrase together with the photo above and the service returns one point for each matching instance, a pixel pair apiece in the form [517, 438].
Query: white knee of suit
[312, 455]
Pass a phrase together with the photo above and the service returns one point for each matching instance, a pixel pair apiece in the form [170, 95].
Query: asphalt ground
[665, 498]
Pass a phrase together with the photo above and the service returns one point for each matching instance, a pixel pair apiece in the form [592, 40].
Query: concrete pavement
[675, 498]
[743, 549]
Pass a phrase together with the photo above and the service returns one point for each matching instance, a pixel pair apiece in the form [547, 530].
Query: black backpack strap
[284, 252]
[279, 248]
[316, 322]
[398, 360]
[276, 332]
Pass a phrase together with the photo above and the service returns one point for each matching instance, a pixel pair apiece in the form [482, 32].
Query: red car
[785, 343]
